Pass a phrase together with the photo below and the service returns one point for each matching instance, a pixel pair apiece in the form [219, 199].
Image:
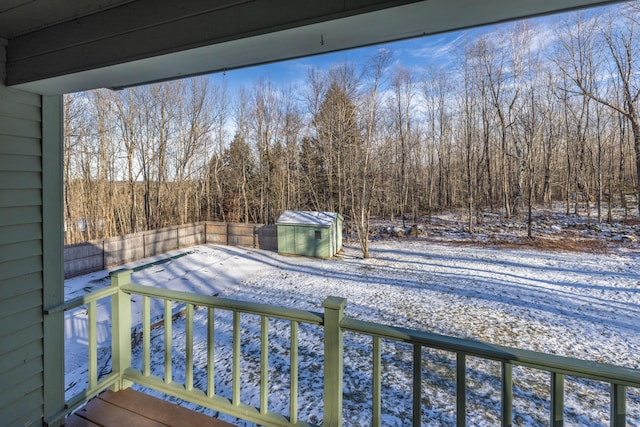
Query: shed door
[309, 240]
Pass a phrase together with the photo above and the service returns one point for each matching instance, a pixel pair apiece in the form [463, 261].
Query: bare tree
[610, 42]
[364, 177]
[404, 89]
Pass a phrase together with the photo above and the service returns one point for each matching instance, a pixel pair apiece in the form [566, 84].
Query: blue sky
[417, 54]
[414, 53]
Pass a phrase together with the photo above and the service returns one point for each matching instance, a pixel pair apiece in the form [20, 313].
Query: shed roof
[324, 219]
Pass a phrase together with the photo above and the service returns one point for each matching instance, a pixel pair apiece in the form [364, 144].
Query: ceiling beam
[152, 40]
[149, 28]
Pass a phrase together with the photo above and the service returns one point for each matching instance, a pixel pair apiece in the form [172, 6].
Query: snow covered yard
[575, 304]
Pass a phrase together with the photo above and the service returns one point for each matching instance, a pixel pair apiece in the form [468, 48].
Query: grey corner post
[333, 360]
[121, 326]
[52, 257]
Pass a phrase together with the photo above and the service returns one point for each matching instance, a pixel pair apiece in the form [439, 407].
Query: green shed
[313, 234]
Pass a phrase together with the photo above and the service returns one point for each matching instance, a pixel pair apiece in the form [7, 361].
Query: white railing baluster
[293, 389]
[264, 364]
[189, 347]
[168, 343]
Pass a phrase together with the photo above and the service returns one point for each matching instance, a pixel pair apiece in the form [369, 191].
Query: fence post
[333, 360]
[121, 326]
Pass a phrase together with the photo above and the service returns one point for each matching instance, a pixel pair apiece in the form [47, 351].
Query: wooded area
[532, 113]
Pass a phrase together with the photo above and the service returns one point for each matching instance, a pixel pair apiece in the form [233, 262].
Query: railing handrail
[529, 358]
[248, 307]
[81, 300]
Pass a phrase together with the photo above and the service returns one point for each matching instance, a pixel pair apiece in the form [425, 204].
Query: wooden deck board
[74, 420]
[129, 407]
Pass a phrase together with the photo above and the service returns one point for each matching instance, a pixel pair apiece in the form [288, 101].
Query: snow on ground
[583, 305]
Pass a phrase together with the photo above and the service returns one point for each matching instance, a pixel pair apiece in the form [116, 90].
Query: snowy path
[574, 304]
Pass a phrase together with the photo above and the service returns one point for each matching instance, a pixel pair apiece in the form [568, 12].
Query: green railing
[558, 367]
[334, 324]
[94, 385]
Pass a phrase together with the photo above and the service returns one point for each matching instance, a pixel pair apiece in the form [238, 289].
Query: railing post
[557, 400]
[507, 394]
[333, 360]
[120, 327]
[618, 405]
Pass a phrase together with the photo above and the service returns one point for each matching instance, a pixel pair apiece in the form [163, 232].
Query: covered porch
[49, 48]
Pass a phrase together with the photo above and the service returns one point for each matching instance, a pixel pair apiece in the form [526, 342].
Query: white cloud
[437, 47]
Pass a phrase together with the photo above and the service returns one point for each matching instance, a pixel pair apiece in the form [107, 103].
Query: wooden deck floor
[132, 408]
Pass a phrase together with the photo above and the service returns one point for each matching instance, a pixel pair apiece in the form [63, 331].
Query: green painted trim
[335, 323]
[417, 386]
[293, 373]
[81, 300]
[189, 347]
[236, 351]
[146, 336]
[461, 389]
[52, 253]
[211, 372]
[168, 342]
[217, 403]
[507, 395]
[542, 361]
[557, 400]
[228, 304]
[121, 326]
[80, 399]
[264, 364]
[618, 416]
[377, 383]
[333, 360]
[93, 344]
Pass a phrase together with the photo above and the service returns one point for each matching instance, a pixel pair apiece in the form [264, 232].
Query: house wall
[31, 257]
[21, 261]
